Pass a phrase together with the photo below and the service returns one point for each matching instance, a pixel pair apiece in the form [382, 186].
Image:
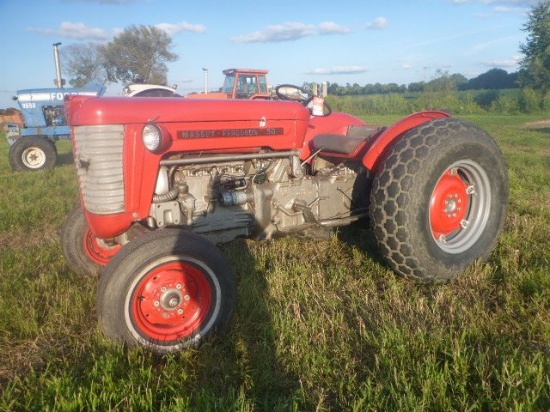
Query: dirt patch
[540, 124]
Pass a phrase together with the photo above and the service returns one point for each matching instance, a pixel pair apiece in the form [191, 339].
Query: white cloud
[378, 24]
[172, 29]
[71, 30]
[291, 31]
[81, 31]
[339, 70]
[513, 62]
[329, 27]
[277, 33]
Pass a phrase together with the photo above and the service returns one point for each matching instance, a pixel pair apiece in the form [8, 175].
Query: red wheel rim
[172, 301]
[449, 205]
[97, 251]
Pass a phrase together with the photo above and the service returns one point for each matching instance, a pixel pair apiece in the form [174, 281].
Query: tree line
[494, 79]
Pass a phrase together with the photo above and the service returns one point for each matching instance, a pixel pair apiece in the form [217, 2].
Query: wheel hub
[33, 157]
[171, 299]
[168, 302]
[453, 204]
[449, 205]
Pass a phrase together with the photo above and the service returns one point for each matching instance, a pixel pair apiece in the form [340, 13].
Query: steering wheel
[301, 95]
[294, 93]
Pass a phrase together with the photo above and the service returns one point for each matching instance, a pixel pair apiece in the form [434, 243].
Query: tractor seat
[346, 144]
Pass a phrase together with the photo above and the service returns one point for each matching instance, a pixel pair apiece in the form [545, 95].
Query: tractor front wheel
[84, 253]
[166, 291]
[33, 153]
[439, 200]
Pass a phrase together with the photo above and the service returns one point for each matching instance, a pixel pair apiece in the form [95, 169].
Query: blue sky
[359, 41]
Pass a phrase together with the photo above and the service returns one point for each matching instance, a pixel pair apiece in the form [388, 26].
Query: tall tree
[493, 79]
[82, 62]
[139, 55]
[445, 82]
[535, 65]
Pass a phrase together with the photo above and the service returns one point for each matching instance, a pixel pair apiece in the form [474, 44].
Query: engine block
[260, 198]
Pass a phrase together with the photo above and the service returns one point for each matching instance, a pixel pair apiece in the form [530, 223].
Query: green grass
[319, 325]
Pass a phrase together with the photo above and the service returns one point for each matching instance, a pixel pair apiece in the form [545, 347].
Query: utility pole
[205, 80]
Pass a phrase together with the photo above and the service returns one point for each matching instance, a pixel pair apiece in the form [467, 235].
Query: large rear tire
[33, 153]
[166, 291]
[439, 200]
[84, 253]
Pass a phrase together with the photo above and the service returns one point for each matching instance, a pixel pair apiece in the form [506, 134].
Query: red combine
[163, 180]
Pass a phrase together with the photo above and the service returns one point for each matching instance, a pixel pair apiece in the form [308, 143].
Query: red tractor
[240, 84]
[163, 180]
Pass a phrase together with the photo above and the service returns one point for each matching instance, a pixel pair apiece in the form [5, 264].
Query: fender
[378, 147]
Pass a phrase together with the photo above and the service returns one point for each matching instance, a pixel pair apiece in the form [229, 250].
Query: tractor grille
[98, 159]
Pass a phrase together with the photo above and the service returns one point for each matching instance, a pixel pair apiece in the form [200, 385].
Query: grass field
[319, 325]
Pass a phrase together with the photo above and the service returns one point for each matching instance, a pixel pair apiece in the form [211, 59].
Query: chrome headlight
[154, 138]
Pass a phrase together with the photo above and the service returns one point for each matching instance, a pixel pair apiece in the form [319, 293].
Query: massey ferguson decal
[200, 134]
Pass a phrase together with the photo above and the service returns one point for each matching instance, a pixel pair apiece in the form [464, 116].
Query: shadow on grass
[241, 368]
[250, 353]
[65, 158]
[360, 236]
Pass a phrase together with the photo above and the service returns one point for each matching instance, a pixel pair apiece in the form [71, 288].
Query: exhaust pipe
[58, 79]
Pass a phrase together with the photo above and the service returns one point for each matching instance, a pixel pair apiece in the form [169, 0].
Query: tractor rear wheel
[33, 153]
[439, 200]
[166, 291]
[84, 253]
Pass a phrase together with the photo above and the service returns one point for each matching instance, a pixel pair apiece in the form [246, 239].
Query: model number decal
[198, 134]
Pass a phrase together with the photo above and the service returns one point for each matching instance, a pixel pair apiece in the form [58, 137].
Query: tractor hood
[87, 111]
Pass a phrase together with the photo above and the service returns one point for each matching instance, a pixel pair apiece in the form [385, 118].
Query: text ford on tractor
[32, 147]
[162, 180]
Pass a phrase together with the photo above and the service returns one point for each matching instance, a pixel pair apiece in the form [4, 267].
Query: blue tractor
[33, 145]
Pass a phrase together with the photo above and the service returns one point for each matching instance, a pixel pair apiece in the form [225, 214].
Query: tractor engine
[260, 198]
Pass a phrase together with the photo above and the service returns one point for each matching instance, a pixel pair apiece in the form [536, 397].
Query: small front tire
[84, 253]
[166, 291]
